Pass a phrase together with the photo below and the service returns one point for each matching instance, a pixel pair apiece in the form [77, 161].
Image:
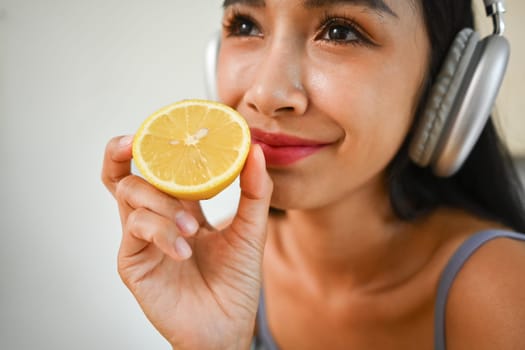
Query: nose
[277, 86]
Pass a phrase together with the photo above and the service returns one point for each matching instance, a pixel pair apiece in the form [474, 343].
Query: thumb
[249, 224]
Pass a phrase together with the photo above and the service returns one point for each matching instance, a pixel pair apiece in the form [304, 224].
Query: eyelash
[329, 21]
[236, 18]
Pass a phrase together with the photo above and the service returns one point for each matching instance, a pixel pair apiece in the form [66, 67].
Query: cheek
[367, 104]
[225, 76]
[233, 76]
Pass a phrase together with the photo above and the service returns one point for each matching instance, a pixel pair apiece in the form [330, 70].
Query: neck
[357, 242]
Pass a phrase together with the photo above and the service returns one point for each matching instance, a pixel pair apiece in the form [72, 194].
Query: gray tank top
[264, 339]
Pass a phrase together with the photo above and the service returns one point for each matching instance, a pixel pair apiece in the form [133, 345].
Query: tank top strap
[264, 339]
[451, 270]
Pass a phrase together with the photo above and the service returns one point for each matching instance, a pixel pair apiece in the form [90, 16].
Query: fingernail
[125, 140]
[186, 223]
[182, 248]
[259, 152]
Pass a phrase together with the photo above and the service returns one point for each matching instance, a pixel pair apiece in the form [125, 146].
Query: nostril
[280, 110]
[276, 102]
[285, 109]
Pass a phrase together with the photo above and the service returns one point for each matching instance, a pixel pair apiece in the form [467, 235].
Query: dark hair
[487, 184]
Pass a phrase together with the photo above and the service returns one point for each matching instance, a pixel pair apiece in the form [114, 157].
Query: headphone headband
[493, 4]
[496, 9]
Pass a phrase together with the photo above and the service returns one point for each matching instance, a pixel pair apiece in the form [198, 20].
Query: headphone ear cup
[210, 66]
[430, 129]
[473, 105]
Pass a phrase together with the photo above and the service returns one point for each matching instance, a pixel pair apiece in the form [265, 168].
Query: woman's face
[329, 89]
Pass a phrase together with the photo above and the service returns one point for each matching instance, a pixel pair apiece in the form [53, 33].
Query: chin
[299, 191]
[294, 199]
[285, 200]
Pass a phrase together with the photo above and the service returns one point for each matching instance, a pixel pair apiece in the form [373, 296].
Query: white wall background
[73, 74]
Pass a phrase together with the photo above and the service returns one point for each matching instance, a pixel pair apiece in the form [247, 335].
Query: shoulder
[486, 305]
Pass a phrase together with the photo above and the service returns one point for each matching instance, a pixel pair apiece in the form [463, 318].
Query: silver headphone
[460, 100]
[210, 66]
[462, 97]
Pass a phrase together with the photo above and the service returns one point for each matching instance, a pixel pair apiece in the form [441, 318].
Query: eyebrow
[376, 5]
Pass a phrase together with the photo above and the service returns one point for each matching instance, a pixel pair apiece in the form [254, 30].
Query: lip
[282, 149]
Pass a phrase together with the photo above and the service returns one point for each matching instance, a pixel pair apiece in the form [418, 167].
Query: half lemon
[192, 149]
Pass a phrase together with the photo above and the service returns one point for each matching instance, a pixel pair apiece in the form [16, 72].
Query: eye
[341, 31]
[241, 25]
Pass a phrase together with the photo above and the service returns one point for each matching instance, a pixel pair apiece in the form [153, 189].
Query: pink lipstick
[282, 149]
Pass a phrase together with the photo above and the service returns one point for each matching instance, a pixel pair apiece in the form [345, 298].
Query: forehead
[380, 6]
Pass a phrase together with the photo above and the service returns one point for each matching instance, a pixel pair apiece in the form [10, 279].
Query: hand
[198, 286]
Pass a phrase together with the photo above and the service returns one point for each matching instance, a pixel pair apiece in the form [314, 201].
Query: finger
[249, 223]
[145, 227]
[195, 208]
[134, 192]
[117, 161]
